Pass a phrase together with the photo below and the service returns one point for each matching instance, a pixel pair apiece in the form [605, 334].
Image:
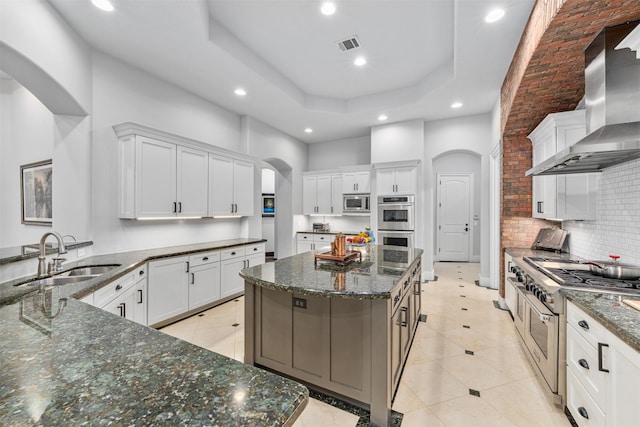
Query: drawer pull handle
[583, 325]
[583, 363]
[233, 253]
[205, 258]
[118, 287]
[141, 272]
[583, 412]
[255, 249]
[600, 365]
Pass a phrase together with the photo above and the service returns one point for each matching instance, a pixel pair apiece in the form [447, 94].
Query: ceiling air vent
[349, 44]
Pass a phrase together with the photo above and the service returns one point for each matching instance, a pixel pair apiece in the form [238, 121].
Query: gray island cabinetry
[346, 331]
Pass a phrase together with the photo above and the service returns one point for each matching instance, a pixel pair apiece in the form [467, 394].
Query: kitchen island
[345, 331]
[65, 362]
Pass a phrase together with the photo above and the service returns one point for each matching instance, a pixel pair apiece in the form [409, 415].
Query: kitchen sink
[78, 274]
[95, 270]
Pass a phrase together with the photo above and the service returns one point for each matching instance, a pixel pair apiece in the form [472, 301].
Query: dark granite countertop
[373, 278]
[20, 253]
[69, 363]
[608, 309]
[127, 262]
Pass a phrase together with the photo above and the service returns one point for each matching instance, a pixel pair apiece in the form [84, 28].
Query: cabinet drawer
[582, 360]
[323, 238]
[235, 252]
[104, 295]
[258, 248]
[203, 258]
[585, 325]
[305, 237]
[581, 405]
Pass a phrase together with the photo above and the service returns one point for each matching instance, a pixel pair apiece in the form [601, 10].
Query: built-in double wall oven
[396, 220]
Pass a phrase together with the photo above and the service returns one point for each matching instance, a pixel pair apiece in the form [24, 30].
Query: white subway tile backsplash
[616, 229]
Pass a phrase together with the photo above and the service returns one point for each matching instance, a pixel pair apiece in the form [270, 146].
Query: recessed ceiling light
[308, 130]
[360, 61]
[456, 105]
[494, 15]
[382, 117]
[328, 8]
[240, 92]
[103, 5]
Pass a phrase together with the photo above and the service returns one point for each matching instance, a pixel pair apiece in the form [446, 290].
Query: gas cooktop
[576, 274]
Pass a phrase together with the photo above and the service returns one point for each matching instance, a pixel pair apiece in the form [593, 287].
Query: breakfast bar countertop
[65, 362]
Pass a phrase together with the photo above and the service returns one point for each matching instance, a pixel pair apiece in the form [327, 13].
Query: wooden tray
[341, 260]
[632, 303]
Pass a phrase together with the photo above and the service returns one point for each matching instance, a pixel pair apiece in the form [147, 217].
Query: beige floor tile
[422, 417]
[319, 414]
[434, 389]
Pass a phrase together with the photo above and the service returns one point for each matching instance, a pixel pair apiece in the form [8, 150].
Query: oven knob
[519, 277]
[514, 269]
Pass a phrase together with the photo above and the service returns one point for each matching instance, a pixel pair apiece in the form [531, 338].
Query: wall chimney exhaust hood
[612, 102]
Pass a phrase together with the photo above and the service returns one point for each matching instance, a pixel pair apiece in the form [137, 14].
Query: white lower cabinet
[168, 289]
[204, 279]
[125, 297]
[232, 261]
[603, 374]
[306, 242]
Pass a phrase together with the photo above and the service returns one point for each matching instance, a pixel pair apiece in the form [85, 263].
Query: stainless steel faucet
[62, 249]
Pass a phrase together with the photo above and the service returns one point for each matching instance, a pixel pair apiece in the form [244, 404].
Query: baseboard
[486, 282]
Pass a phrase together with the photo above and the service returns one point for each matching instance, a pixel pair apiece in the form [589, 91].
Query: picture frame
[36, 192]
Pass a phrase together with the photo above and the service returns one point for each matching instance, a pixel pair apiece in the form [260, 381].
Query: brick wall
[545, 76]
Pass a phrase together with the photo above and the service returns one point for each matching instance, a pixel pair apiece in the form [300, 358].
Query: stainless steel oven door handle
[535, 306]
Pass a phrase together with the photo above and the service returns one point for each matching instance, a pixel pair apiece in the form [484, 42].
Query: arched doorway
[283, 218]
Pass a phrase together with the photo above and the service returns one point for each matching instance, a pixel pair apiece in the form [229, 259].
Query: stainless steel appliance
[396, 213]
[396, 238]
[612, 96]
[356, 204]
[539, 312]
[321, 227]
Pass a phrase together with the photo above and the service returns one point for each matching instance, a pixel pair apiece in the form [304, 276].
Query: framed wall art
[36, 191]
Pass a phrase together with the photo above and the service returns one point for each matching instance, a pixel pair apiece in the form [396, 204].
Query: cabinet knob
[583, 324]
[583, 363]
[583, 412]
[118, 287]
[205, 258]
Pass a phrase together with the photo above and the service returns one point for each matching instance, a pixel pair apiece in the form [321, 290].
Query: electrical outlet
[300, 303]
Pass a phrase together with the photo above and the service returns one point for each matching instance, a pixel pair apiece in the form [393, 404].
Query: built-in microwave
[356, 203]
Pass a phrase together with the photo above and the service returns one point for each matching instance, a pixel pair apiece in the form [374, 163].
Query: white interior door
[454, 225]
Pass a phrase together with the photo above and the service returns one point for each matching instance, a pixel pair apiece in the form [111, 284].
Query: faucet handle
[55, 264]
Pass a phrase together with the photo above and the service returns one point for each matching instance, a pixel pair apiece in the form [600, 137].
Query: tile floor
[435, 386]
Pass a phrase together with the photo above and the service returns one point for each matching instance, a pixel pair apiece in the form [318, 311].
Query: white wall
[472, 134]
[352, 151]
[616, 229]
[289, 157]
[40, 50]
[21, 142]
[122, 93]
[397, 142]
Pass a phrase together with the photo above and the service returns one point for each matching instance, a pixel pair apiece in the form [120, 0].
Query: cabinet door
[193, 176]
[385, 181]
[363, 182]
[140, 302]
[623, 392]
[243, 188]
[396, 349]
[123, 305]
[309, 196]
[155, 178]
[220, 185]
[406, 180]
[204, 284]
[231, 282]
[336, 194]
[323, 194]
[255, 259]
[349, 183]
[167, 289]
[577, 195]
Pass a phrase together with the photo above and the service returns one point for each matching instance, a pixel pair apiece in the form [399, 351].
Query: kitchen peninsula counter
[346, 330]
[82, 365]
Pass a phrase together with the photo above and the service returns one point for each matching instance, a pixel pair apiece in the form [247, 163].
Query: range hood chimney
[612, 102]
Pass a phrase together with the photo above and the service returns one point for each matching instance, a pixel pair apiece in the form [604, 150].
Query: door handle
[139, 296]
[123, 309]
[193, 278]
[179, 207]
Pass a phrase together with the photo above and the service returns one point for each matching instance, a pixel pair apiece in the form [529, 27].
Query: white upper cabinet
[570, 196]
[336, 194]
[322, 194]
[164, 175]
[356, 182]
[169, 180]
[399, 180]
[231, 186]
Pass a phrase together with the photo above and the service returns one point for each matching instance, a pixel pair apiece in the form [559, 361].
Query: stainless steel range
[539, 308]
